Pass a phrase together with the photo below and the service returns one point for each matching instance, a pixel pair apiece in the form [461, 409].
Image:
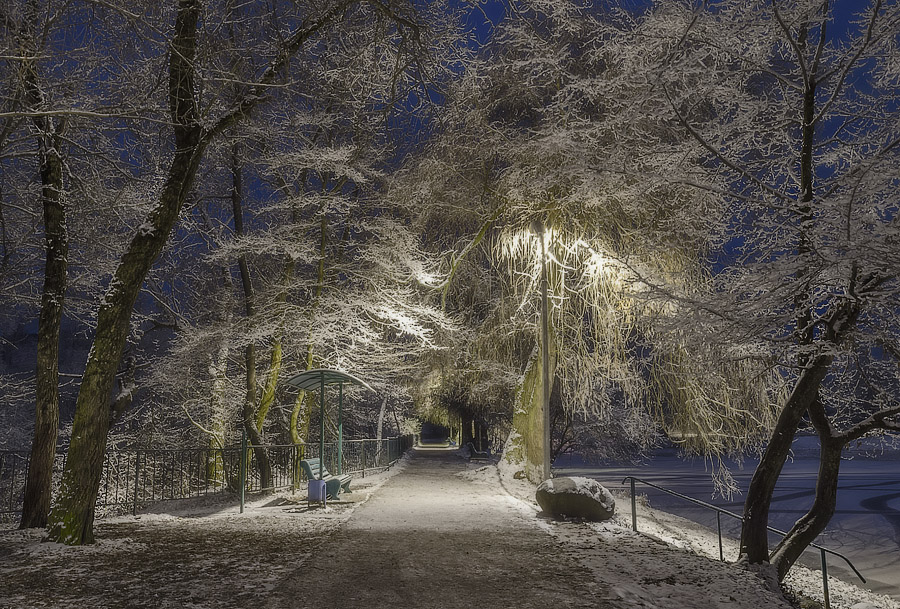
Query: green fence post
[321, 423]
[137, 477]
[295, 469]
[340, 430]
[243, 475]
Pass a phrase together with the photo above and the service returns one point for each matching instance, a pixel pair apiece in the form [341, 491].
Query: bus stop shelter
[318, 379]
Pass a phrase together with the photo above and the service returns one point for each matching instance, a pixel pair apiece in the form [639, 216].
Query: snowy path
[429, 538]
[442, 534]
[437, 532]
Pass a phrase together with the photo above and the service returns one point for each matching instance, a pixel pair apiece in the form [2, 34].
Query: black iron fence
[136, 477]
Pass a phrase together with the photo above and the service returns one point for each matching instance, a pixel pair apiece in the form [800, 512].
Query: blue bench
[333, 484]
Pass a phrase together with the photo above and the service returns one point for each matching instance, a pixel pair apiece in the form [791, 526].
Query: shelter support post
[340, 442]
[243, 467]
[321, 425]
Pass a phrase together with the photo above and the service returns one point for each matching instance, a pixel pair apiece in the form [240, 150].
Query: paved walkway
[429, 538]
[426, 539]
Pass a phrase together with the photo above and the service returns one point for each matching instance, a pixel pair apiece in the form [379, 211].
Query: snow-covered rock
[578, 497]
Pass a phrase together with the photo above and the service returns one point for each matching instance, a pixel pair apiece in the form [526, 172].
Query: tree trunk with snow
[527, 445]
[249, 415]
[268, 395]
[267, 398]
[36, 505]
[301, 415]
[379, 430]
[754, 531]
[811, 524]
[215, 463]
[72, 518]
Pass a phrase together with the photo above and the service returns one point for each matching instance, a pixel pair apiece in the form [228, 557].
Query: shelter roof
[313, 379]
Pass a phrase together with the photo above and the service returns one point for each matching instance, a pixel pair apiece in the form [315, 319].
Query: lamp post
[538, 227]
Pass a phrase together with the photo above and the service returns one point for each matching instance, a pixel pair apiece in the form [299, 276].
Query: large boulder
[576, 497]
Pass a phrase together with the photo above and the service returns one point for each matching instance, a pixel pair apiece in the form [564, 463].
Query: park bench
[477, 455]
[333, 484]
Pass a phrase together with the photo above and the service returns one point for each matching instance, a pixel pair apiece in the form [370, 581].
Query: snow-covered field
[865, 527]
[692, 539]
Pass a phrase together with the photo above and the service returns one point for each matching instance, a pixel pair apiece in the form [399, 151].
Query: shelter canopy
[318, 378]
[313, 379]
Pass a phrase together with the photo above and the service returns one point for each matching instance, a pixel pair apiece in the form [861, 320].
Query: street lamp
[538, 227]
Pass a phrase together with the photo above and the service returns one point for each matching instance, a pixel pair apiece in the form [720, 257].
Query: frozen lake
[865, 527]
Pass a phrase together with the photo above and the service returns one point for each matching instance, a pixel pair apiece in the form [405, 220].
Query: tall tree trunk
[218, 403]
[36, 506]
[38, 484]
[250, 399]
[396, 419]
[72, 518]
[215, 463]
[256, 440]
[526, 444]
[379, 430]
[300, 420]
[754, 532]
[300, 416]
[808, 527]
[268, 395]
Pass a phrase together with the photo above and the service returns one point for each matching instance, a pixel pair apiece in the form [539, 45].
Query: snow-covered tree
[534, 138]
[63, 179]
[785, 116]
[202, 76]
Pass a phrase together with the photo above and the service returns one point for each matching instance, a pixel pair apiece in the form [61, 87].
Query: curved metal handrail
[719, 511]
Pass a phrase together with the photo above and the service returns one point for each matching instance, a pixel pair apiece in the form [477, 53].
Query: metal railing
[132, 478]
[357, 457]
[719, 511]
[13, 469]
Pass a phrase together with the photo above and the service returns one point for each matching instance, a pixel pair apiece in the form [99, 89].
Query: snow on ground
[204, 554]
[692, 537]
[190, 554]
[693, 540]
